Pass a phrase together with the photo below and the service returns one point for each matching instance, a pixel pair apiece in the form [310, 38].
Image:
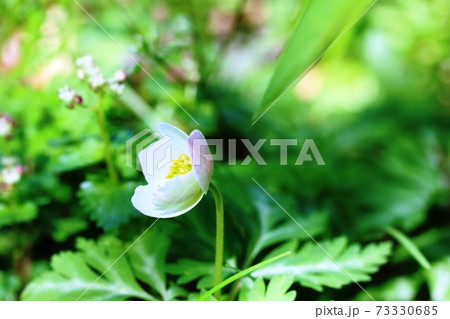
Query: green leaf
[404, 288]
[109, 204]
[277, 289]
[439, 280]
[271, 227]
[72, 156]
[405, 187]
[241, 274]
[321, 23]
[410, 247]
[190, 270]
[63, 228]
[313, 268]
[148, 257]
[9, 286]
[75, 274]
[13, 214]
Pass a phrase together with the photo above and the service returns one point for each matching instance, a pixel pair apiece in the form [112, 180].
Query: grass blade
[321, 24]
[241, 274]
[410, 247]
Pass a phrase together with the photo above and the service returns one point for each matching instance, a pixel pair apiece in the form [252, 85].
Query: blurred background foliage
[377, 106]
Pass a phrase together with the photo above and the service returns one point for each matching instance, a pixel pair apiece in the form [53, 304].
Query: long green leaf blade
[410, 247]
[241, 274]
[321, 24]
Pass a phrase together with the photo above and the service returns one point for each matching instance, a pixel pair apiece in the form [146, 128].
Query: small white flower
[11, 175]
[90, 71]
[96, 80]
[6, 125]
[117, 87]
[85, 62]
[120, 76]
[177, 186]
[67, 95]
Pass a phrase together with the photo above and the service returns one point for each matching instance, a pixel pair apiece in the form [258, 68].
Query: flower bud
[120, 76]
[78, 99]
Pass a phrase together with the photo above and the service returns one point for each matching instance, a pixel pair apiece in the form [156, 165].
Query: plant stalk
[101, 119]
[219, 236]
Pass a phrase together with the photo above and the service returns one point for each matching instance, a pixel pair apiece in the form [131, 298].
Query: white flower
[117, 87]
[90, 71]
[67, 95]
[177, 171]
[85, 62]
[11, 175]
[119, 76]
[6, 125]
[96, 80]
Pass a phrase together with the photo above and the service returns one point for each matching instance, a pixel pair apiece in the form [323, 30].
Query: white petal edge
[143, 202]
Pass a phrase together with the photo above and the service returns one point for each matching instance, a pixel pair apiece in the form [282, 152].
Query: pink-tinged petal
[201, 159]
[166, 198]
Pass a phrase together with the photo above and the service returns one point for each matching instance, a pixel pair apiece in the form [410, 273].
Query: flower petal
[202, 163]
[172, 131]
[157, 158]
[176, 197]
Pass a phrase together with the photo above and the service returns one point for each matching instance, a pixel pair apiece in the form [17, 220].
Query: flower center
[180, 166]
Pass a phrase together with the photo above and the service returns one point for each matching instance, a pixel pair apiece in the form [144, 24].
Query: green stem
[219, 236]
[101, 119]
[247, 261]
[241, 274]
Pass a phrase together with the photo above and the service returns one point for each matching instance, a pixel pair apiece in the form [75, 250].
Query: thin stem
[241, 274]
[101, 119]
[247, 261]
[219, 236]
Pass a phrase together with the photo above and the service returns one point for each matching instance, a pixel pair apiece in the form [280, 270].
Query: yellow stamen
[180, 166]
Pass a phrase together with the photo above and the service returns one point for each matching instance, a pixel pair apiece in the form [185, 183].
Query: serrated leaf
[148, 257]
[313, 268]
[409, 179]
[321, 23]
[109, 204]
[404, 288]
[74, 274]
[277, 289]
[273, 227]
[190, 270]
[66, 227]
